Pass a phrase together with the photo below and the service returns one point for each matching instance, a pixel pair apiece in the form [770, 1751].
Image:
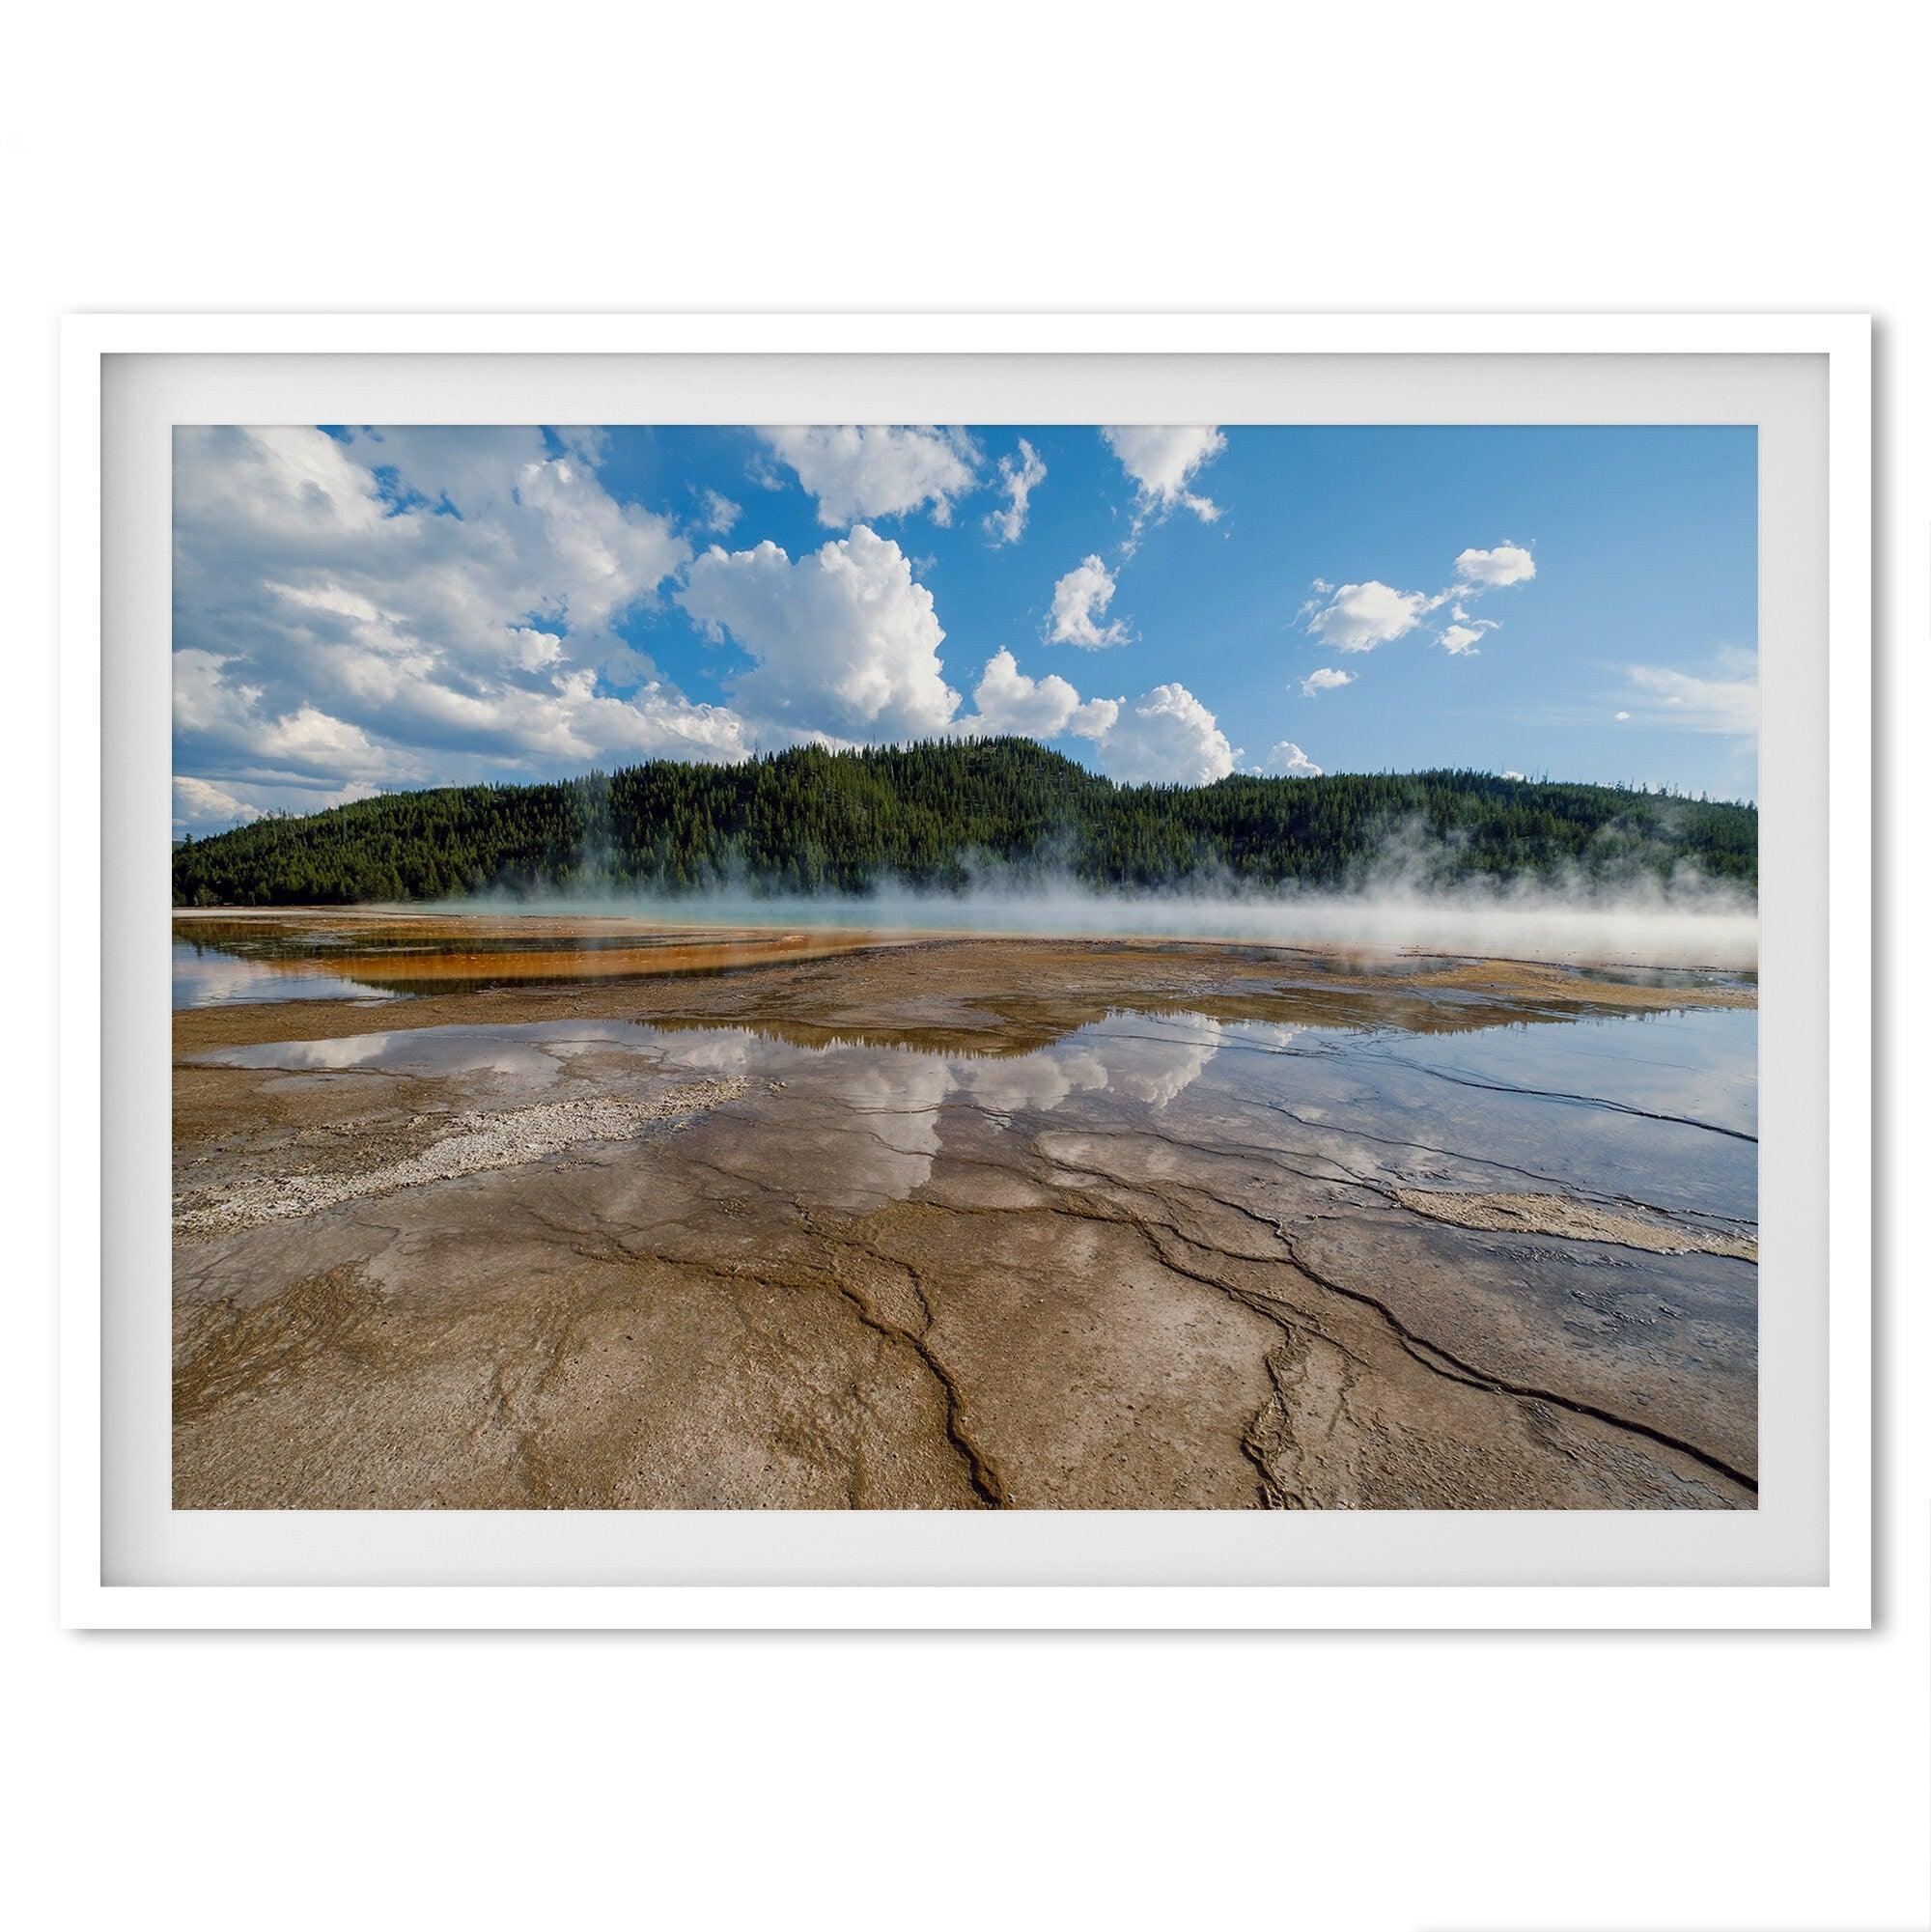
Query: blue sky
[359, 610]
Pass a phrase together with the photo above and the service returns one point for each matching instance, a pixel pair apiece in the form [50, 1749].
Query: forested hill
[941, 816]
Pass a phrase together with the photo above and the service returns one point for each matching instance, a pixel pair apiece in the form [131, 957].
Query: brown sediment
[400, 967]
[967, 985]
[1574, 1220]
[874, 1257]
[403, 952]
[1571, 986]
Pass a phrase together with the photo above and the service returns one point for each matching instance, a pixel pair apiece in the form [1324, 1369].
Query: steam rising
[1685, 923]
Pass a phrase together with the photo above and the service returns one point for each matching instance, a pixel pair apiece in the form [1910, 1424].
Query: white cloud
[1622, 718]
[586, 443]
[532, 649]
[472, 470]
[229, 727]
[346, 531]
[1359, 616]
[1289, 761]
[308, 739]
[720, 514]
[1168, 738]
[200, 806]
[655, 721]
[1325, 678]
[1162, 461]
[860, 473]
[233, 728]
[1018, 478]
[1506, 564]
[608, 554]
[1095, 718]
[337, 626]
[1008, 703]
[1079, 600]
[1684, 702]
[845, 643]
[1518, 776]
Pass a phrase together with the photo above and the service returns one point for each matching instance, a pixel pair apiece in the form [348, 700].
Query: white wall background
[995, 156]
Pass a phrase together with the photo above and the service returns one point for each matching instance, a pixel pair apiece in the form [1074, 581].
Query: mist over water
[1686, 922]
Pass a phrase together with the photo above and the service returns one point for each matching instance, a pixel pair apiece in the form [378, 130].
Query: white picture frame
[95, 1596]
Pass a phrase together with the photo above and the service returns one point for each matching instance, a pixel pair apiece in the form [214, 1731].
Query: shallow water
[227, 959]
[207, 975]
[1660, 1109]
[222, 962]
[1309, 1244]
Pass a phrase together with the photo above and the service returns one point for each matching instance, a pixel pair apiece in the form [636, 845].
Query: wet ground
[249, 959]
[957, 1223]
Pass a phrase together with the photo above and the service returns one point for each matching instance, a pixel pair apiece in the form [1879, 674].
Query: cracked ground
[974, 1223]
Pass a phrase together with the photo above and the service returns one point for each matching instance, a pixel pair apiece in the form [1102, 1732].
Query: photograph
[1015, 966]
[968, 906]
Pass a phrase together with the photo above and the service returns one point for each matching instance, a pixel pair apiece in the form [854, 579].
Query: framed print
[995, 970]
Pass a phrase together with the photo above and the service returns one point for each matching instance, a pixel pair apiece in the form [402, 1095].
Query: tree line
[938, 816]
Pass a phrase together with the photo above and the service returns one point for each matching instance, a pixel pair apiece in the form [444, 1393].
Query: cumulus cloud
[1162, 461]
[1682, 701]
[405, 605]
[1359, 616]
[1461, 640]
[410, 605]
[1095, 718]
[1008, 703]
[200, 805]
[857, 474]
[720, 514]
[399, 606]
[471, 469]
[346, 532]
[844, 642]
[1325, 678]
[1518, 776]
[1506, 564]
[1622, 718]
[224, 716]
[1166, 737]
[1289, 761]
[1079, 601]
[586, 443]
[302, 757]
[1020, 476]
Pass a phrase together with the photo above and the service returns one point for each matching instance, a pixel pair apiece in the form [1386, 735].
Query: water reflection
[1605, 1107]
[220, 960]
[206, 975]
